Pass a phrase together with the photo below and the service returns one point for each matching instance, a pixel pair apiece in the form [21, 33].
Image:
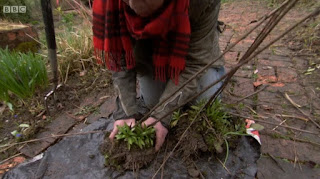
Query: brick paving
[285, 153]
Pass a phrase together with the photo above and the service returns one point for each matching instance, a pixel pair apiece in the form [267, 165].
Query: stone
[243, 86]
[275, 63]
[284, 169]
[289, 149]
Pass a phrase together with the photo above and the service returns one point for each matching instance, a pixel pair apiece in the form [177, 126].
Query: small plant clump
[139, 136]
[214, 127]
[213, 131]
[132, 148]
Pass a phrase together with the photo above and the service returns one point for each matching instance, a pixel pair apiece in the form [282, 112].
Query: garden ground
[280, 86]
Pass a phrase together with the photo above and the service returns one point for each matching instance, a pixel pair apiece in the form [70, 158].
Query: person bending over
[160, 44]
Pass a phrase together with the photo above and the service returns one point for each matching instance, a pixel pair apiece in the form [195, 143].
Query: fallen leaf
[257, 127]
[104, 97]
[257, 83]
[266, 107]
[19, 159]
[83, 73]
[24, 125]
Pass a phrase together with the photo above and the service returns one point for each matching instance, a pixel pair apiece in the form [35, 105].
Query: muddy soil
[192, 146]
[68, 97]
[118, 155]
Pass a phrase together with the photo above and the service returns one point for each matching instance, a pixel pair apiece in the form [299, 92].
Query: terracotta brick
[275, 63]
[287, 75]
[12, 36]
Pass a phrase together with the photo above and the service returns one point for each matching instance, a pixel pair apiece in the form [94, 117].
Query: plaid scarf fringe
[113, 26]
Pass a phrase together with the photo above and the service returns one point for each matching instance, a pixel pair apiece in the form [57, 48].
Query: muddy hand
[161, 131]
[130, 122]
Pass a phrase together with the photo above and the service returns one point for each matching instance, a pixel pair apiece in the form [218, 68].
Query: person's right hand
[130, 122]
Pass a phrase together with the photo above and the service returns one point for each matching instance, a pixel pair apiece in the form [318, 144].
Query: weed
[66, 18]
[75, 51]
[214, 124]
[87, 110]
[33, 10]
[21, 74]
[176, 116]
[139, 136]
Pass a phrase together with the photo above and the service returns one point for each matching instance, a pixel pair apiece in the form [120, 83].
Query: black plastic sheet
[79, 157]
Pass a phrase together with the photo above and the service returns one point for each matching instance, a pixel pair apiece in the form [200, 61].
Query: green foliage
[33, 10]
[25, 47]
[139, 136]
[176, 116]
[66, 18]
[75, 50]
[214, 123]
[21, 74]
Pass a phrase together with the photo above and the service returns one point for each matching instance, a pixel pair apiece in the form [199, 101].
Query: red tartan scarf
[114, 22]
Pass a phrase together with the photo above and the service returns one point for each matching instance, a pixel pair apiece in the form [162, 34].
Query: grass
[74, 50]
[21, 74]
[33, 10]
[214, 123]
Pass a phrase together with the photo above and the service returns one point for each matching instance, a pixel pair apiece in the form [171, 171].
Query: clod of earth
[212, 132]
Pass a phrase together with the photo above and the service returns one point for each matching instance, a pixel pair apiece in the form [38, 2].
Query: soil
[81, 86]
[192, 146]
[68, 98]
[119, 156]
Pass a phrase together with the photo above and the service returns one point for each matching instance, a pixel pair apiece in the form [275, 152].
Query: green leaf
[218, 147]
[311, 69]
[257, 127]
[174, 123]
[14, 133]
[24, 125]
[130, 141]
[10, 106]
[120, 136]
[142, 142]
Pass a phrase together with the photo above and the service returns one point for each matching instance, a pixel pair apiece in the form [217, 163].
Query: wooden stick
[54, 136]
[216, 59]
[266, 122]
[295, 105]
[16, 155]
[291, 116]
[314, 13]
[264, 87]
[223, 165]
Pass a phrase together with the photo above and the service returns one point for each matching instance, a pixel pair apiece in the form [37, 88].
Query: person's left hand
[161, 131]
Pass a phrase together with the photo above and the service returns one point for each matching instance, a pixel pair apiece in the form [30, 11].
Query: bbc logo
[14, 9]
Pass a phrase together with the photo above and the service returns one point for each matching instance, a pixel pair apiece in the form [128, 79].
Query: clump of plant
[139, 136]
[75, 51]
[214, 127]
[21, 74]
[132, 148]
[33, 10]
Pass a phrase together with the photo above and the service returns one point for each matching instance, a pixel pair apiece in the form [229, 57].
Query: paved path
[286, 153]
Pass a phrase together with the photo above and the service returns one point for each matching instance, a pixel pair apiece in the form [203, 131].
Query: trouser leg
[150, 89]
[212, 75]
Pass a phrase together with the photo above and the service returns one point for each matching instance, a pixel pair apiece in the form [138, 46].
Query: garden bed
[18, 36]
